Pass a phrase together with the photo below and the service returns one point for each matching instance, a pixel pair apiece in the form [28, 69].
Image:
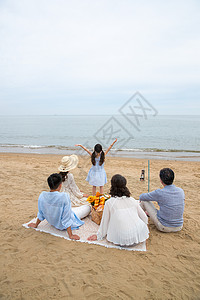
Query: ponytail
[98, 149]
[93, 158]
[64, 175]
[102, 158]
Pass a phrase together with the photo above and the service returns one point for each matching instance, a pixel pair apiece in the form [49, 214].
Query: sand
[36, 265]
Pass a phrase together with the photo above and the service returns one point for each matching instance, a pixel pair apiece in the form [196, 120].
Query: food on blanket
[98, 200]
[102, 201]
[96, 203]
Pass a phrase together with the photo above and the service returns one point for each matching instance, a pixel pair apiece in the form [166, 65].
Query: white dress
[97, 175]
[69, 186]
[123, 221]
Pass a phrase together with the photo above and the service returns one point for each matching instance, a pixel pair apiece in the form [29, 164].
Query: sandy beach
[36, 265]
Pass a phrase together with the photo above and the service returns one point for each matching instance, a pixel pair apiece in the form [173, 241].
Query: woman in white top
[123, 222]
[68, 183]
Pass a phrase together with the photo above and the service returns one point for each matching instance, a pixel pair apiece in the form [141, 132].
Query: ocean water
[59, 134]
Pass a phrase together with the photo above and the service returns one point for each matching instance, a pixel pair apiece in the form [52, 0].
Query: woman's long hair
[118, 186]
[98, 149]
[64, 175]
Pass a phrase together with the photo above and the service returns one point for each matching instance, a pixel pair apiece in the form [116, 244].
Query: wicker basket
[96, 215]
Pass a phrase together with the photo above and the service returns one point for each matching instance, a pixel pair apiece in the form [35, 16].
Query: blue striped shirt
[171, 202]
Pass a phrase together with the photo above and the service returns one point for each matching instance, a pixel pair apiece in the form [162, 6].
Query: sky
[90, 56]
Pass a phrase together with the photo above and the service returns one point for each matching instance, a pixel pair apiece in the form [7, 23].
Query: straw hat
[68, 163]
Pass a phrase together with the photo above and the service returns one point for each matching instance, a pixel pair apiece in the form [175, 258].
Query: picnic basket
[96, 215]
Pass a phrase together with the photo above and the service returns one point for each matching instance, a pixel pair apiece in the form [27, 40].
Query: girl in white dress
[123, 222]
[97, 175]
[68, 183]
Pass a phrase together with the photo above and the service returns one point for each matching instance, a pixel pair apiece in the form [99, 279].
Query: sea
[151, 137]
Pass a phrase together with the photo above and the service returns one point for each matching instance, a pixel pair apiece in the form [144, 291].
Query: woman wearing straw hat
[69, 186]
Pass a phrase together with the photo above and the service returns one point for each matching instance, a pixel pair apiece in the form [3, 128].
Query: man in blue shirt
[55, 207]
[170, 200]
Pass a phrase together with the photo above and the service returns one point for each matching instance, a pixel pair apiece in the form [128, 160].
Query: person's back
[170, 200]
[69, 186]
[55, 207]
[123, 221]
[76, 196]
[171, 206]
[127, 223]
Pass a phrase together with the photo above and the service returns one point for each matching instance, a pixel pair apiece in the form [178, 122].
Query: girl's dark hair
[167, 176]
[98, 149]
[64, 175]
[118, 186]
[54, 180]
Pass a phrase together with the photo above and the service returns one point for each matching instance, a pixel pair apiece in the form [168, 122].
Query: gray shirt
[171, 202]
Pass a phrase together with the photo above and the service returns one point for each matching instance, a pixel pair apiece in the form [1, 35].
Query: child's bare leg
[94, 190]
[101, 189]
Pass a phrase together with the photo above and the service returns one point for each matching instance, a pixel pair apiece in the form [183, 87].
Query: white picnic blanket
[84, 232]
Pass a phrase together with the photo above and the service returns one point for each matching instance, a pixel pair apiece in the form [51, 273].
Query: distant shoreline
[160, 154]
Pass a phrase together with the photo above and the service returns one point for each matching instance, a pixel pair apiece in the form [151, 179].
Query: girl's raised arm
[110, 146]
[84, 148]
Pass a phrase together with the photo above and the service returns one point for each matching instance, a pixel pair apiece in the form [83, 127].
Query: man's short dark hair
[167, 176]
[54, 180]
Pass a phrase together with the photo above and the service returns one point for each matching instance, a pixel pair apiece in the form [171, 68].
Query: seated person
[171, 201]
[123, 221]
[69, 186]
[55, 207]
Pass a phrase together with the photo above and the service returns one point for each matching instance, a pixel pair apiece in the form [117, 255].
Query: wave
[60, 148]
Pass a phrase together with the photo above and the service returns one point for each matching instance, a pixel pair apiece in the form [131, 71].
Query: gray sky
[90, 57]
